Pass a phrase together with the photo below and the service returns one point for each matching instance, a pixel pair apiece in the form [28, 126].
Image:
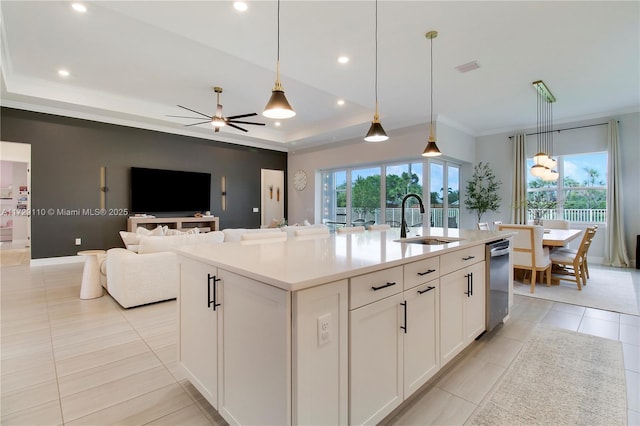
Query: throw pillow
[178, 232]
[160, 230]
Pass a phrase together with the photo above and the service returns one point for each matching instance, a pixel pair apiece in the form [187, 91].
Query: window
[579, 195]
[374, 194]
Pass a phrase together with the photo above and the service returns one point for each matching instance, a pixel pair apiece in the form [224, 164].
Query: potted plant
[539, 203]
[482, 190]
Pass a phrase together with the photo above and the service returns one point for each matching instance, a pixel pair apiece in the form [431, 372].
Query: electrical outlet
[256, 210]
[78, 241]
[324, 329]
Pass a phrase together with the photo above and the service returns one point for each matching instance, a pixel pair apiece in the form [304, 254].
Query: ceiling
[133, 62]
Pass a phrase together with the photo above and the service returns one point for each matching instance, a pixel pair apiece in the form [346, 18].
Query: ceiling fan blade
[241, 116]
[196, 124]
[183, 116]
[245, 122]
[193, 110]
[236, 127]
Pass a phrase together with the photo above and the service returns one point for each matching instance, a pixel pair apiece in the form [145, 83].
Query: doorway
[15, 203]
[272, 198]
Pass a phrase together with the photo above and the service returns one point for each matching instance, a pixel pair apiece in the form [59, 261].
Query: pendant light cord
[431, 82]
[376, 56]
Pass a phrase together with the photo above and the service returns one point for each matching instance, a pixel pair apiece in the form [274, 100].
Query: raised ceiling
[132, 62]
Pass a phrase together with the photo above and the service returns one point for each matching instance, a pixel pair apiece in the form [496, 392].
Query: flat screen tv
[164, 191]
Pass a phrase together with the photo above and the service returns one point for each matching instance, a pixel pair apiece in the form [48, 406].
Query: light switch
[256, 210]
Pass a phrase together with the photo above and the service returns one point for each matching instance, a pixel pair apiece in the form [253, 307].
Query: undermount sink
[429, 241]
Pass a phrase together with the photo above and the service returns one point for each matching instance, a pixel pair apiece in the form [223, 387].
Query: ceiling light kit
[217, 120]
[431, 150]
[544, 165]
[278, 106]
[376, 133]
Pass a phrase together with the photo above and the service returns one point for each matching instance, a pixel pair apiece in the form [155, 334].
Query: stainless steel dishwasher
[497, 282]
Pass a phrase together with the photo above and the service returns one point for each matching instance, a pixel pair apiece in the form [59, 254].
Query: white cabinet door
[375, 363]
[198, 328]
[452, 335]
[475, 321]
[421, 356]
[254, 373]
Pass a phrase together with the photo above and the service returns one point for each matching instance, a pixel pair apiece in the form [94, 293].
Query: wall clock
[300, 180]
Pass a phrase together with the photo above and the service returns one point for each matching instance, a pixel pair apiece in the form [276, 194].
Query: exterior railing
[436, 219]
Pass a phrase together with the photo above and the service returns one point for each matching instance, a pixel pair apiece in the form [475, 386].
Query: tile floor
[71, 361]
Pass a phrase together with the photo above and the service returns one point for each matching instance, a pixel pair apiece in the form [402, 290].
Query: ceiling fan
[218, 120]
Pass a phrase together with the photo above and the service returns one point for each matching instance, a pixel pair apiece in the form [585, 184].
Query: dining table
[559, 237]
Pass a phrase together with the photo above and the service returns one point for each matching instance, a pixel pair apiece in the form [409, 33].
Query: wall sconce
[223, 186]
[103, 187]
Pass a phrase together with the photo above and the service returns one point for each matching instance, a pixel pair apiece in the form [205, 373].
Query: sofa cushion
[155, 244]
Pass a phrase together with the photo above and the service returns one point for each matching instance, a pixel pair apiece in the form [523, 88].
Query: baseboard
[62, 260]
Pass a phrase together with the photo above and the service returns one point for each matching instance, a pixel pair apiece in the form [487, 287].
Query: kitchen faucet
[403, 226]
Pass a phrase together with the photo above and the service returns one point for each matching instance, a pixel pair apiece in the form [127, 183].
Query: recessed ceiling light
[343, 59]
[340, 102]
[240, 6]
[79, 7]
[63, 73]
[277, 124]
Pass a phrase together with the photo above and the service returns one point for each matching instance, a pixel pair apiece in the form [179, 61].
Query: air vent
[469, 66]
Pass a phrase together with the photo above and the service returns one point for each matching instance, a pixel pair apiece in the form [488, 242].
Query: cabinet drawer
[450, 262]
[368, 288]
[421, 271]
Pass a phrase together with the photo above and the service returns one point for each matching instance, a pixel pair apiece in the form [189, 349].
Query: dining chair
[528, 252]
[496, 223]
[379, 227]
[565, 259]
[483, 226]
[368, 224]
[358, 222]
[555, 223]
[350, 230]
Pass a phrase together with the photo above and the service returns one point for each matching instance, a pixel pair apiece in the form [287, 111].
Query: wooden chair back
[483, 226]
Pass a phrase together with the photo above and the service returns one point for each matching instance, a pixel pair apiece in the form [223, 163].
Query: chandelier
[544, 165]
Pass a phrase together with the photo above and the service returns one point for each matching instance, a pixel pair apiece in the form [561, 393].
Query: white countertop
[302, 262]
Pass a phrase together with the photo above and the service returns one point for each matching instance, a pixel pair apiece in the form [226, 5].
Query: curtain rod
[562, 130]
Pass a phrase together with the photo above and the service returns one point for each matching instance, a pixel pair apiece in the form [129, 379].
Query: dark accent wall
[66, 156]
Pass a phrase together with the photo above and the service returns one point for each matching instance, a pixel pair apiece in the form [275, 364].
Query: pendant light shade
[278, 106]
[431, 150]
[544, 165]
[376, 133]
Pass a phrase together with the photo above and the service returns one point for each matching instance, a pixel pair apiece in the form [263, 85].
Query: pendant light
[376, 133]
[278, 106]
[431, 149]
[544, 165]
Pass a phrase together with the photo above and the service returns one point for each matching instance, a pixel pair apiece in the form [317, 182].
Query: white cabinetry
[244, 340]
[462, 300]
[393, 339]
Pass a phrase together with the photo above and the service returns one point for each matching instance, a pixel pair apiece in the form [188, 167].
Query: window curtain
[615, 250]
[519, 195]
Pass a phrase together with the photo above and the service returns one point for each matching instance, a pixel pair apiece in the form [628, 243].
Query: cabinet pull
[468, 258]
[404, 304]
[468, 292]
[383, 286]
[213, 302]
[426, 290]
[428, 271]
[471, 285]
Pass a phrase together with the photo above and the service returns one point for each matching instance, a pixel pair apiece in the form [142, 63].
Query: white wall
[403, 144]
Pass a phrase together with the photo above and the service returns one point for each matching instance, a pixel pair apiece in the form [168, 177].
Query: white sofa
[151, 274]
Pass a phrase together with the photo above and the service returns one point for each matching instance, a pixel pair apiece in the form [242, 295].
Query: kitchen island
[339, 329]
